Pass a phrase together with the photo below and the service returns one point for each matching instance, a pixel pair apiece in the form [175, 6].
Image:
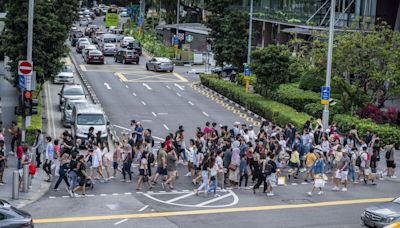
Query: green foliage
[388, 134]
[49, 35]
[271, 65]
[291, 95]
[313, 79]
[36, 120]
[229, 32]
[240, 80]
[150, 42]
[276, 112]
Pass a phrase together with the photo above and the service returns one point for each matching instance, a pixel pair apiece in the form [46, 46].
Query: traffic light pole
[26, 121]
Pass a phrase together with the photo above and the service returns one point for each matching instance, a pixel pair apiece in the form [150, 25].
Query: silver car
[382, 214]
[70, 92]
[66, 113]
[65, 76]
[109, 49]
[160, 64]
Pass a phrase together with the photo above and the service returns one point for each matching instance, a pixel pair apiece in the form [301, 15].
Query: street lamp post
[325, 113]
[250, 31]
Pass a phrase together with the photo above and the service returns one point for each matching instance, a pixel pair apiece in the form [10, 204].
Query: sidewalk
[9, 100]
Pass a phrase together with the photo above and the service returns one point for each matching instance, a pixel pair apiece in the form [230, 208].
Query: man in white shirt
[220, 165]
[97, 162]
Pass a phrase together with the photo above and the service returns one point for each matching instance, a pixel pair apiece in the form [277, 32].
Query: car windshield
[84, 43]
[67, 69]
[397, 200]
[73, 91]
[109, 45]
[95, 52]
[90, 119]
[70, 105]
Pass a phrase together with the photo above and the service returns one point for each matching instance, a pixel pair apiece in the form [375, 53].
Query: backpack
[268, 169]
[151, 158]
[358, 160]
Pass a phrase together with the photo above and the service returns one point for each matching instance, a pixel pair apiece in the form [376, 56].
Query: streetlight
[177, 31]
[250, 31]
[325, 113]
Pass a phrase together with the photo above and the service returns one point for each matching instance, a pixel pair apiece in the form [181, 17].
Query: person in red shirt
[20, 152]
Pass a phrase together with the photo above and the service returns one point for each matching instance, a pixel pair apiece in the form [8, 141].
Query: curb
[243, 109]
[112, 133]
[39, 193]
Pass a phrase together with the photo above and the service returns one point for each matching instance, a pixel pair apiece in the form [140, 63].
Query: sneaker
[344, 189]
[112, 177]
[223, 190]
[70, 193]
[188, 174]
[320, 192]
[309, 193]
[123, 180]
[128, 181]
[217, 195]
[1, 183]
[75, 194]
[393, 177]
[270, 194]
[335, 188]
[247, 188]
[196, 192]
[56, 189]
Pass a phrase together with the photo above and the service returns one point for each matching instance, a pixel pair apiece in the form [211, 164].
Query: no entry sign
[25, 67]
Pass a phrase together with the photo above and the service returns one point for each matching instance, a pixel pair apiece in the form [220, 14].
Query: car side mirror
[59, 94]
[108, 123]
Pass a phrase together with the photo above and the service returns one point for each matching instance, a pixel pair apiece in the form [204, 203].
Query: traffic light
[29, 104]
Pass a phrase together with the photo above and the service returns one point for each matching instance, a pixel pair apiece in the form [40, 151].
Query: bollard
[15, 185]
[25, 178]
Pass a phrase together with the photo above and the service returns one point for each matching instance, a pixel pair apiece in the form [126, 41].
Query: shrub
[278, 113]
[377, 115]
[315, 109]
[291, 95]
[387, 133]
[312, 80]
[240, 80]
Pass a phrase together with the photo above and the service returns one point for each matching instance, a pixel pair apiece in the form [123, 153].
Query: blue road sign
[325, 93]
[246, 71]
[176, 40]
[140, 21]
[21, 81]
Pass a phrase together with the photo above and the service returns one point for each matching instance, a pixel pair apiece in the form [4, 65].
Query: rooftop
[188, 27]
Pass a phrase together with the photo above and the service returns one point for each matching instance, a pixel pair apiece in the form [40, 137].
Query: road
[162, 102]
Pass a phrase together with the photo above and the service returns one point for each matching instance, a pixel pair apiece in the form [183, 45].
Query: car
[124, 14]
[94, 56]
[90, 29]
[88, 48]
[135, 45]
[75, 36]
[66, 113]
[225, 70]
[81, 45]
[160, 64]
[125, 41]
[109, 38]
[66, 75]
[11, 217]
[109, 49]
[83, 22]
[382, 215]
[126, 56]
[69, 91]
[96, 39]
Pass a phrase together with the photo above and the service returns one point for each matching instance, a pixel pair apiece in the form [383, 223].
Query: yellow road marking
[121, 76]
[83, 68]
[183, 79]
[67, 61]
[210, 211]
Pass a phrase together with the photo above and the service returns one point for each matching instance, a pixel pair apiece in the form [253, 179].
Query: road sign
[176, 40]
[181, 36]
[189, 38]
[25, 67]
[21, 81]
[325, 95]
[28, 82]
[246, 71]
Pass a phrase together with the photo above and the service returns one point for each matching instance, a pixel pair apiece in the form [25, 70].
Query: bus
[112, 17]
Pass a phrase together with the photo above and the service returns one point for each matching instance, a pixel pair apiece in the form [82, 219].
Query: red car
[94, 56]
[81, 45]
[127, 56]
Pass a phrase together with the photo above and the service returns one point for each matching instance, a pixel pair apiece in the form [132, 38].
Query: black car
[225, 71]
[11, 217]
[127, 56]
[135, 45]
[75, 35]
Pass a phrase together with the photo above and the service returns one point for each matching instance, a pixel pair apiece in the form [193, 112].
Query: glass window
[73, 91]
[90, 119]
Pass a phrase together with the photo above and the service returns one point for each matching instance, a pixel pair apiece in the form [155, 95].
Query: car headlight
[391, 219]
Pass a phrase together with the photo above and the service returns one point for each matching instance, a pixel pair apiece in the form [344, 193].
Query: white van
[85, 116]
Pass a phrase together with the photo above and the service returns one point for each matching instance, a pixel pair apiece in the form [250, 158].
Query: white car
[83, 22]
[126, 40]
[66, 75]
[123, 14]
[87, 49]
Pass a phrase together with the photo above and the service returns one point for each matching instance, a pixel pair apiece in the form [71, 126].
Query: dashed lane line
[206, 114]
[144, 103]
[119, 222]
[143, 208]
[210, 211]
[166, 127]
[191, 103]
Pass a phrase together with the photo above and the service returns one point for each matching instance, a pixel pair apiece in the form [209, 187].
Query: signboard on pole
[181, 36]
[25, 67]
[189, 38]
[325, 95]
[21, 81]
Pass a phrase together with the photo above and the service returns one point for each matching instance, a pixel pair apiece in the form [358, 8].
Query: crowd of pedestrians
[216, 158]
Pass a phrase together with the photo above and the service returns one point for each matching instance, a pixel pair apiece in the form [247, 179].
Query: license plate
[95, 57]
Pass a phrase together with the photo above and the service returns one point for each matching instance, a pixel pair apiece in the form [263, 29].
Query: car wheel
[123, 61]
[147, 68]
[115, 59]
[137, 62]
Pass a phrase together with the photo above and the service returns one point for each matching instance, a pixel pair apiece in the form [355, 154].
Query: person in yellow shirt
[294, 163]
[310, 159]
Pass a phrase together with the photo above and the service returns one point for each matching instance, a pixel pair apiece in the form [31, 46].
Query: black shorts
[82, 181]
[115, 165]
[389, 164]
[141, 172]
[161, 171]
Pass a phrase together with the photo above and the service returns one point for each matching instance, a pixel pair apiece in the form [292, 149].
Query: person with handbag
[259, 171]
[234, 168]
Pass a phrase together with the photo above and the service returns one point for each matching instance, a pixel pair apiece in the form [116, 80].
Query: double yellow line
[210, 211]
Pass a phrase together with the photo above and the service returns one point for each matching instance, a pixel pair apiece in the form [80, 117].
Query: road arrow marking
[147, 86]
[179, 86]
[107, 85]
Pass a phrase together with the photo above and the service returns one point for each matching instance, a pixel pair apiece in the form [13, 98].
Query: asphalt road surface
[162, 102]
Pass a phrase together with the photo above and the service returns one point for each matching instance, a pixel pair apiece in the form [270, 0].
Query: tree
[271, 65]
[228, 32]
[49, 35]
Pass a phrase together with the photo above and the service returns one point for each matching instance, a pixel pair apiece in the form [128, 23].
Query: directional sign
[25, 67]
[176, 40]
[21, 81]
[325, 95]
[246, 71]
[189, 38]
[181, 36]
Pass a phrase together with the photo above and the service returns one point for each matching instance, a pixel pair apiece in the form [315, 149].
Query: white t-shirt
[220, 163]
[96, 158]
[364, 158]
[190, 153]
[246, 138]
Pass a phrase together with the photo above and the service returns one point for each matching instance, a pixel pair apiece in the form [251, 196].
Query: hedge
[36, 120]
[311, 82]
[278, 113]
[387, 133]
[291, 95]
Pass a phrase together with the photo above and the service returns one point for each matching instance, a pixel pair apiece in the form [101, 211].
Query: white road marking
[205, 114]
[123, 128]
[191, 103]
[65, 196]
[103, 194]
[128, 193]
[144, 103]
[121, 221]
[179, 86]
[143, 208]
[147, 86]
[127, 86]
[149, 121]
[158, 138]
[107, 85]
[90, 195]
[168, 87]
[154, 114]
[180, 197]
[115, 194]
[112, 206]
[134, 94]
[178, 94]
[162, 113]
[52, 197]
[166, 127]
[213, 200]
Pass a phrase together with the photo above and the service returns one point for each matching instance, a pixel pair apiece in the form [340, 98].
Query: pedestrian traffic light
[29, 104]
